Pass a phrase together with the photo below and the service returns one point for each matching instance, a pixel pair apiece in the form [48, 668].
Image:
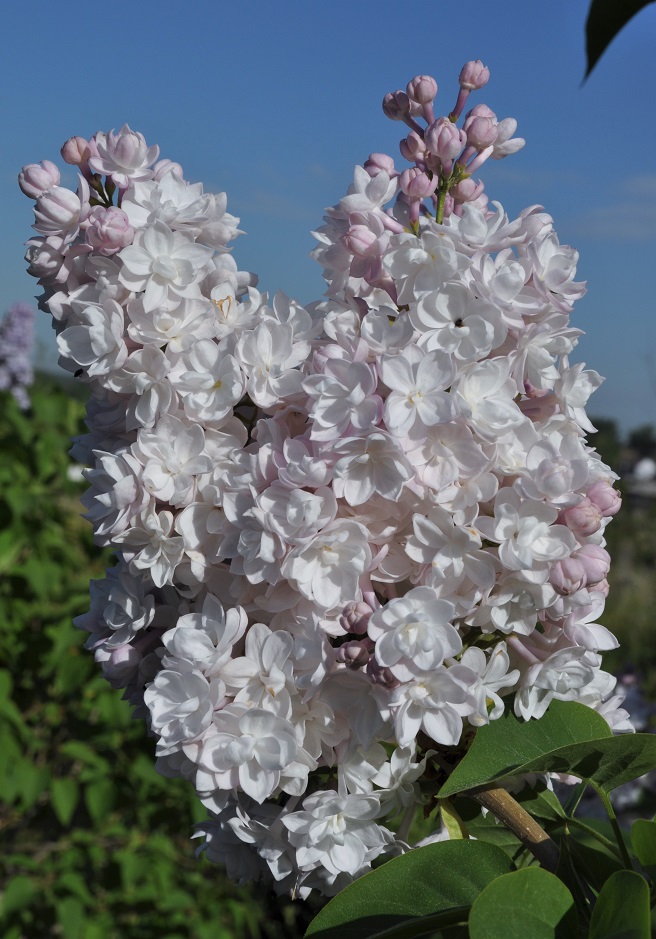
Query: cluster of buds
[446, 156]
[347, 534]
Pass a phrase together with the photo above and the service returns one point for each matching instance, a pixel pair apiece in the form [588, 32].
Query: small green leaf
[64, 794]
[622, 908]
[592, 861]
[18, 894]
[530, 902]
[428, 880]
[501, 747]
[70, 915]
[99, 798]
[643, 839]
[605, 20]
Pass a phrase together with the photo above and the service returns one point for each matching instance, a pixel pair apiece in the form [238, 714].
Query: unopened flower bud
[473, 75]
[361, 241]
[479, 110]
[467, 190]
[36, 178]
[380, 163]
[422, 89]
[355, 617]
[354, 654]
[607, 499]
[413, 147]
[583, 519]
[381, 676]
[109, 230]
[76, 151]
[481, 133]
[57, 210]
[396, 105]
[445, 140]
[567, 576]
[595, 560]
[416, 184]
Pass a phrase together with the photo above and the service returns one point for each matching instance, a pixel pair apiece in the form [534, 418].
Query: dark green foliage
[605, 20]
[95, 844]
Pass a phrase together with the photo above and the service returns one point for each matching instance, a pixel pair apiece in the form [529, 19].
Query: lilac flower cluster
[16, 345]
[345, 533]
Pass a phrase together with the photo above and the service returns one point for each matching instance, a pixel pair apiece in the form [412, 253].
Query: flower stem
[520, 823]
[619, 837]
[589, 830]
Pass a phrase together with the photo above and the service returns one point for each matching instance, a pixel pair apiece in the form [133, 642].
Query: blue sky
[275, 102]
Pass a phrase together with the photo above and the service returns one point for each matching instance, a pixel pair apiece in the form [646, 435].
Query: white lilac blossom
[347, 535]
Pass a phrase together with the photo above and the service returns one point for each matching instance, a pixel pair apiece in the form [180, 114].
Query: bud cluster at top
[446, 156]
[347, 534]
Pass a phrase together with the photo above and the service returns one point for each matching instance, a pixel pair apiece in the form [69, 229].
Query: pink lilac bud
[361, 241]
[538, 405]
[607, 499]
[396, 105]
[109, 230]
[58, 210]
[381, 676]
[380, 163]
[446, 141]
[413, 148]
[422, 90]
[36, 178]
[595, 560]
[481, 133]
[466, 191]
[416, 184]
[162, 167]
[355, 617]
[473, 75]
[76, 151]
[354, 654]
[567, 576]
[479, 110]
[584, 519]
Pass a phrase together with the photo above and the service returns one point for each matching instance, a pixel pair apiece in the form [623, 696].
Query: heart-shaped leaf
[425, 881]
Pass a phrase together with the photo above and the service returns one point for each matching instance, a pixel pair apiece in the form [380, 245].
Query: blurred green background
[96, 845]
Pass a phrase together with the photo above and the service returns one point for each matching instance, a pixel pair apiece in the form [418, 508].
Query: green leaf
[64, 794]
[70, 915]
[18, 894]
[425, 881]
[500, 748]
[530, 902]
[593, 862]
[622, 908]
[643, 839]
[510, 747]
[605, 20]
[99, 798]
